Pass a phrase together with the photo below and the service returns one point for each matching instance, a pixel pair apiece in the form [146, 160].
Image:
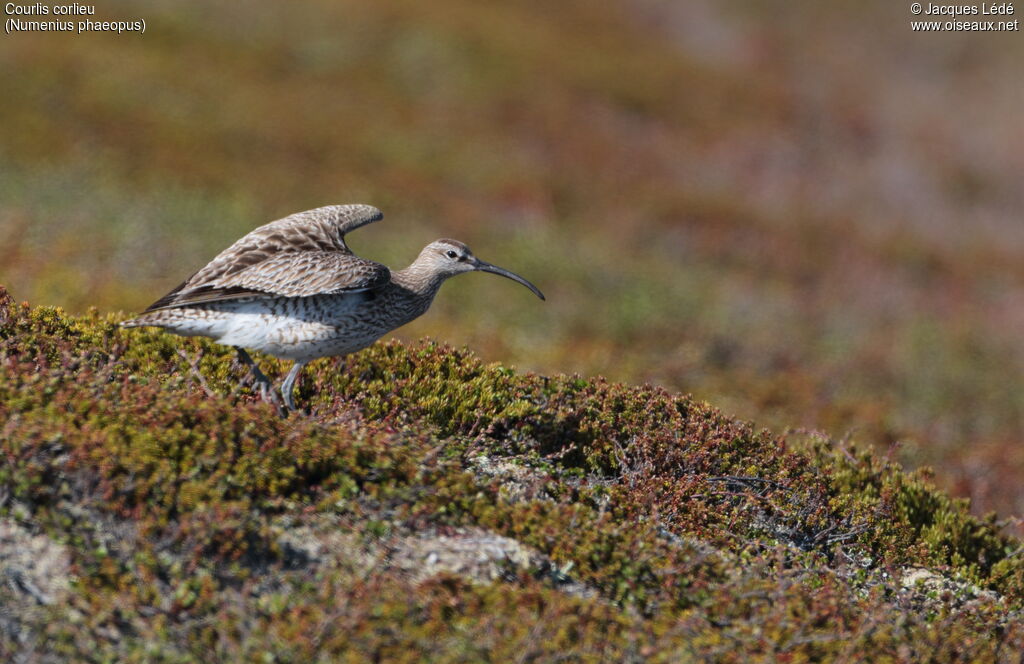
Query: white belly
[299, 329]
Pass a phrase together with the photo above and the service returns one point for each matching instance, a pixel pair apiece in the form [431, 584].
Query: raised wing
[303, 254]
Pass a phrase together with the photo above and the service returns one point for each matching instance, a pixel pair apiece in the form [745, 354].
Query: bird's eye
[452, 254]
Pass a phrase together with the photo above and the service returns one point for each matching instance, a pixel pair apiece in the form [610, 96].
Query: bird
[293, 289]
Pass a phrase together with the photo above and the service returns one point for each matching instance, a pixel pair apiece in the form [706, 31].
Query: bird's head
[448, 258]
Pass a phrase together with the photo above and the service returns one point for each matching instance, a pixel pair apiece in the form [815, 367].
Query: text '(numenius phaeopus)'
[25, 18]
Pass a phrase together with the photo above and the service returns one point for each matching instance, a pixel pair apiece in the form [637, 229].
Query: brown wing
[300, 255]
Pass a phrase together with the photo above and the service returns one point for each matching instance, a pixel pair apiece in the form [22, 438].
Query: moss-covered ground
[801, 211]
[430, 507]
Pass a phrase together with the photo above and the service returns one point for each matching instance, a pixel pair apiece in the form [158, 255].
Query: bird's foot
[266, 387]
[289, 402]
[288, 387]
[193, 364]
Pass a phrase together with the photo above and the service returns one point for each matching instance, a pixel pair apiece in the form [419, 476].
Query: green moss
[683, 532]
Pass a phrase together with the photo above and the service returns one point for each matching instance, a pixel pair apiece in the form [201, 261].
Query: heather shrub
[429, 506]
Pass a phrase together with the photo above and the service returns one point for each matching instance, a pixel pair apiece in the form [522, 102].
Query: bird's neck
[419, 279]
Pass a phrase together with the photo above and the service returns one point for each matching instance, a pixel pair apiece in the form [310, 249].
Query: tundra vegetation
[432, 507]
[800, 212]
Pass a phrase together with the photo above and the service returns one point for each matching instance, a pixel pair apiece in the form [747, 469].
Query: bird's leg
[289, 385]
[193, 364]
[266, 387]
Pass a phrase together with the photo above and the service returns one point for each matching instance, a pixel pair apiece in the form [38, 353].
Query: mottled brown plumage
[292, 288]
[303, 254]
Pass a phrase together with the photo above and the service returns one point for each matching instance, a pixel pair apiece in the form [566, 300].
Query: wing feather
[303, 254]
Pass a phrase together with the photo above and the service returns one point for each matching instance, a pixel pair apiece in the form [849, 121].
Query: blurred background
[802, 212]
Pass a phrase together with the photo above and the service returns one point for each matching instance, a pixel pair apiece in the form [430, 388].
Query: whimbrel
[293, 289]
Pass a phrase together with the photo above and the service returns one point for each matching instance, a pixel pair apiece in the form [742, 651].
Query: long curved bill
[484, 266]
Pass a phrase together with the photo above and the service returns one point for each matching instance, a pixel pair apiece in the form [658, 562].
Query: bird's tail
[185, 321]
[152, 319]
[138, 321]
